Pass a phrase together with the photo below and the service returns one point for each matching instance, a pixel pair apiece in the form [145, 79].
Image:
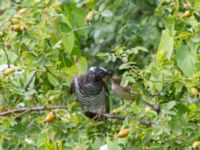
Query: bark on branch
[43, 108]
[113, 116]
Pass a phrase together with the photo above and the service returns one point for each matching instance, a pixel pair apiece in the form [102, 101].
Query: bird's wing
[127, 89]
[107, 96]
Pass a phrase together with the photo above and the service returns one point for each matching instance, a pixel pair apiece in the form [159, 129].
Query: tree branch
[155, 107]
[142, 121]
[113, 116]
[43, 108]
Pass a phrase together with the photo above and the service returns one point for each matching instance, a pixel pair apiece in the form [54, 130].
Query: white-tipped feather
[92, 69]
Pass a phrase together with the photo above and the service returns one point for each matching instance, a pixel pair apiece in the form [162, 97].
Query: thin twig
[20, 110]
[146, 122]
[51, 73]
[148, 104]
[77, 29]
[8, 61]
[119, 117]
[30, 81]
[49, 43]
[113, 116]
[176, 2]
[155, 107]
[28, 50]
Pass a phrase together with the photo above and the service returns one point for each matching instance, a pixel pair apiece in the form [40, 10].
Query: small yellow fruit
[195, 144]
[19, 27]
[21, 11]
[55, 5]
[14, 20]
[50, 117]
[117, 110]
[53, 97]
[46, 1]
[193, 91]
[187, 13]
[90, 16]
[8, 71]
[91, 1]
[147, 109]
[123, 133]
[1, 33]
[16, 27]
[23, 27]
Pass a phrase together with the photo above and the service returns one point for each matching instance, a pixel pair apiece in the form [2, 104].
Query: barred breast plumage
[91, 91]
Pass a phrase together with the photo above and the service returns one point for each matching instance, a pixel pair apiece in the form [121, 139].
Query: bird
[119, 91]
[91, 91]
[125, 93]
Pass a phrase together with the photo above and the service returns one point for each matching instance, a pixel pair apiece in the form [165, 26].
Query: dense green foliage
[154, 45]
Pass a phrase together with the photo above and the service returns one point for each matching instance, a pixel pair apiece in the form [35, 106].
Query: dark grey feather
[91, 92]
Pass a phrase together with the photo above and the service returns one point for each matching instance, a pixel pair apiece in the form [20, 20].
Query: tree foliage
[153, 45]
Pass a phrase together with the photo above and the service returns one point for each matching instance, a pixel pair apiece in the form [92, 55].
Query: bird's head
[98, 72]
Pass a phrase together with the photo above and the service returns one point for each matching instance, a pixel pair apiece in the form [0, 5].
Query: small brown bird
[118, 90]
[125, 93]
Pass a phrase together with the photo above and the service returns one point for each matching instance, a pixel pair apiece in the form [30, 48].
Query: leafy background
[152, 44]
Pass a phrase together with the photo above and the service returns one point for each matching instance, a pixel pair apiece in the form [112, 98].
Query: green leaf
[193, 107]
[171, 104]
[157, 77]
[80, 22]
[11, 56]
[68, 41]
[106, 13]
[71, 73]
[97, 144]
[124, 82]
[126, 65]
[112, 145]
[105, 56]
[166, 46]
[186, 59]
[82, 65]
[169, 23]
[64, 19]
[52, 80]
[137, 49]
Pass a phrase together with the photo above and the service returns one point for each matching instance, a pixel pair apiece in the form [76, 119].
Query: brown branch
[146, 122]
[43, 108]
[113, 116]
[155, 107]
[119, 117]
